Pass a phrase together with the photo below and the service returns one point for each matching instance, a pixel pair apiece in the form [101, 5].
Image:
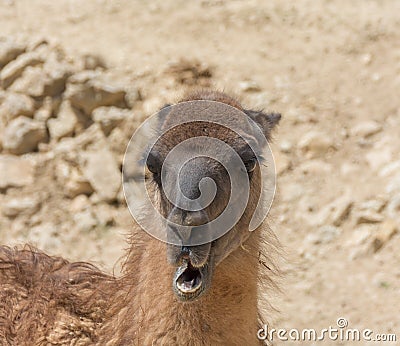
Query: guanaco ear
[266, 121]
[162, 114]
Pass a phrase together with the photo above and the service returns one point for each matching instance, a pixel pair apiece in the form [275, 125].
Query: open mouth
[189, 281]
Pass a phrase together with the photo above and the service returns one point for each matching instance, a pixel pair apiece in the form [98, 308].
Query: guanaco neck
[146, 311]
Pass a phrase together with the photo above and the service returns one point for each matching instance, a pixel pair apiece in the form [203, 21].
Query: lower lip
[186, 292]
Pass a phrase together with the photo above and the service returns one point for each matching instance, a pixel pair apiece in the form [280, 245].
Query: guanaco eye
[154, 163]
[250, 165]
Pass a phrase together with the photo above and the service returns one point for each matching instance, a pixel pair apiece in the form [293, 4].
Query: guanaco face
[203, 178]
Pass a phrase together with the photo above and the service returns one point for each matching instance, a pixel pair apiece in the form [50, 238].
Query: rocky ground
[76, 79]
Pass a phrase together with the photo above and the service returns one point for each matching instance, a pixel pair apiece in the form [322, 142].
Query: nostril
[185, 252]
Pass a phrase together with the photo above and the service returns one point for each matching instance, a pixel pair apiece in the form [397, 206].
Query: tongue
[189, 284]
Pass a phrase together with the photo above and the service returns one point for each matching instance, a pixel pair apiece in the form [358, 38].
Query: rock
[393, 208]
[334, 213]
[110, 117]
[22, 135]
[27, 205]
[323, 235]
[385, 232]
[341, 210]
[14, 105]
[45, 236]
[79, 203]
[133, 94]
[285, 146]
[390, 169]
[101, 170]
[360, 236]
[15, 68]
[368, 216]
[72, 180]
[377, 158]
[366, 58]
[9, 50]
[104, 214]
[315, 167]
[315, 144]
[92, 62]
[45, 112]
[15, 171]
[88, 91]
[85, 220]
[64, 124]
[393, 185]
[249, 86]
[366, 129]
[117, 141]
[38, 82]
[375, 205]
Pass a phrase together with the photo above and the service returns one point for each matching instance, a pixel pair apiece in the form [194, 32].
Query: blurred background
[78, 77]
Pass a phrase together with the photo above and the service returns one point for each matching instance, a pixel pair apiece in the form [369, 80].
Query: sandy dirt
[332, 68]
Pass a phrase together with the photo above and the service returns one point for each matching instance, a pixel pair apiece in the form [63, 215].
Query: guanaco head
[206, 178]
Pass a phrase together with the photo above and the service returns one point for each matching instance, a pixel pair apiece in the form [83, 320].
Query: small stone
[22, 205]
[315, 143]
[375, 205]
[101, 170]
[249, 86]
[15, 68]
[393, 185]
[360, 236]
[366, 58]
[104, 214]
[45, 112]
[315, 167]
[79, 203]
[15, 171]
[9, 50]
[110, 117]
[22, 135]
[285, 146]
[88, 91]
[45, 236]
[368, 216]
[64, 124]
[92, 62]
[341, 211]
[117, 141]
[72, 180]
[323, 235]
[390, 169]
[38, 82]
[393, 208]
[14, 105]
[377, 158]
[376, 77]
[385, 232]
[366, 129]
[85, 220]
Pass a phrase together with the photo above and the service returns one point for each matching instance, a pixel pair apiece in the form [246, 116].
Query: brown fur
[46, 300]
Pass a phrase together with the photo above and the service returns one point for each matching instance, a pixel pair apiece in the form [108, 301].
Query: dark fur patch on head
[210, 95]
